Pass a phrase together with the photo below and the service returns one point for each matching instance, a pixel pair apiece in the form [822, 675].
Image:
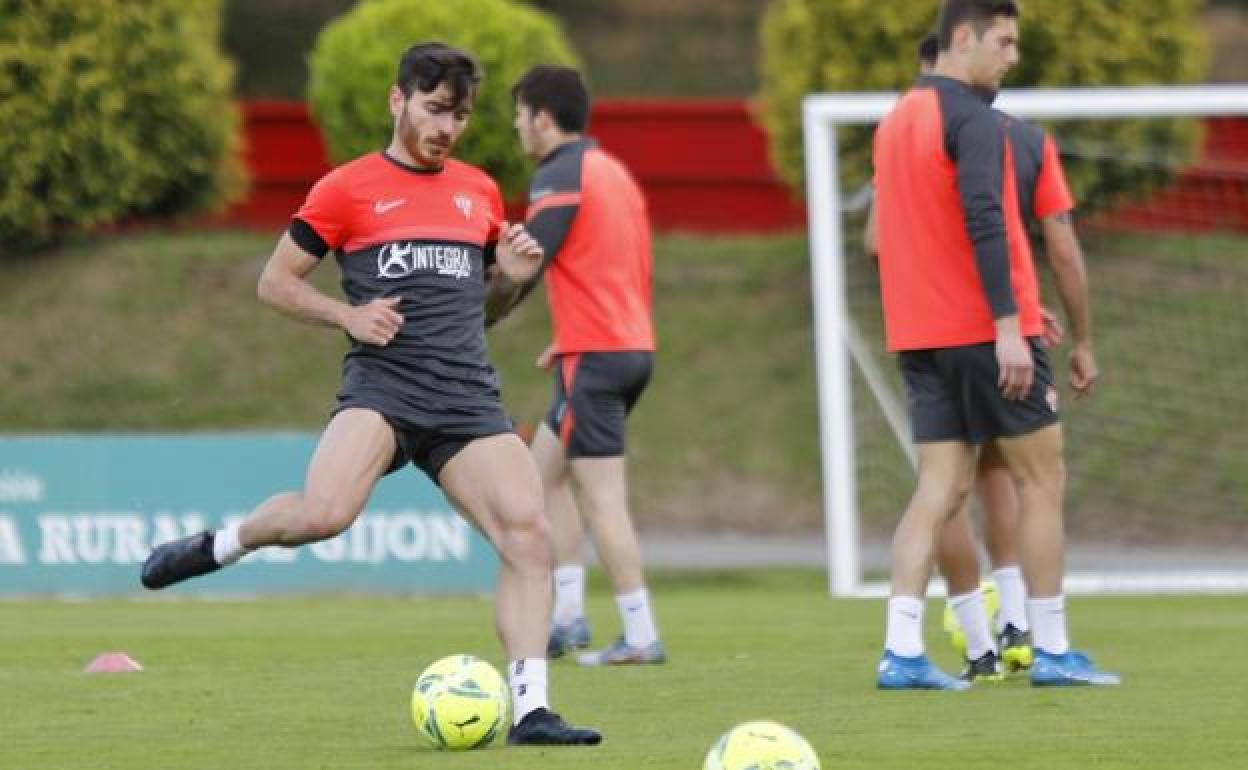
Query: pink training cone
[113, 663]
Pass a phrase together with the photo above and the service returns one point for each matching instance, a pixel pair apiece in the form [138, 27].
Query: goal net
[1157, 498]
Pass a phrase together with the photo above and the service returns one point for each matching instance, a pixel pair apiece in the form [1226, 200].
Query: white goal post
[836, 337]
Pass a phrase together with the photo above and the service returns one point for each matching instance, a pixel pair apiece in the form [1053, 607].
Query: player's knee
[1047, 474]
[325, 518]
[944, 499]
[1051, 477]
[525, 532]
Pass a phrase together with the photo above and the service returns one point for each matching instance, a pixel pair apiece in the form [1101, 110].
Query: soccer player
[420, 239]
[590, 218]
[961, 308]
[1044, 198]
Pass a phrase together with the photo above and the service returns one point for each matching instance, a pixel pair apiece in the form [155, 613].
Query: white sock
[527, 678]
[226, 549]
[637, 618]
[1048, 624]
[973, 617]
[1013, 594]
[569, 594]
[905, 626]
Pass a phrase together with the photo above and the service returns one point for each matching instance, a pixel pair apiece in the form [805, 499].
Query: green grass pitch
[324, 682]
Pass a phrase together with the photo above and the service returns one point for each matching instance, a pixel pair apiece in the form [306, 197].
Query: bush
[111, 108]
[864, 45]
[355, 59]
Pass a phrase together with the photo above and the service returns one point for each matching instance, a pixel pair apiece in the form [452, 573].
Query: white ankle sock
[1013, 594]
[973, 618]
[904, 635]
[569, 594]
[1048, 624]
[527, 678]
[226, 549]
[637, 618]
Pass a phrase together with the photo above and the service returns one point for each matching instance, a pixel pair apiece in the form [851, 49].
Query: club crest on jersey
[399, 260]
[464, 204]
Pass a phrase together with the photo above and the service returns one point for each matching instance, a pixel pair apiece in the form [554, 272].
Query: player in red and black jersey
[961, 308]
[420, 241]
[590, 216]
[1045, 201]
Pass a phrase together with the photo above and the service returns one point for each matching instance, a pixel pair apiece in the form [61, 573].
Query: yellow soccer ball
[992, 603]
[761, 746]
[460, 702]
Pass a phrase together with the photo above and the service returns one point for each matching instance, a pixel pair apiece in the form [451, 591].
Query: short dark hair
[425, 66]
[558, 90]
[980, 13]
[929, 48]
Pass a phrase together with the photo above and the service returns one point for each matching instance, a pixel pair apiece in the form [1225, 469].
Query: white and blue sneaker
[917, 673]
[573, 636]
[1070, 669]
[621, 654]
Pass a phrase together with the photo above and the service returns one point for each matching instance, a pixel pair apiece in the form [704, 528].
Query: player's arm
[505, 293]
[519, 259]
[979, 149]
[549, 220]
[1052, 207]
[870, 244]
[283, 285]
[1061, 245]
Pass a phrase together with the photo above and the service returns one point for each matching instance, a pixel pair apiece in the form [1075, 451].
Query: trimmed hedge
[862, 45]
[356, 57]
[111, 108]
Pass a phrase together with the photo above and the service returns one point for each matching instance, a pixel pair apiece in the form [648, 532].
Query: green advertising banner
[78, 514]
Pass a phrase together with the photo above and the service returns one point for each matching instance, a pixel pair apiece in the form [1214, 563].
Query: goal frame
[835, 337]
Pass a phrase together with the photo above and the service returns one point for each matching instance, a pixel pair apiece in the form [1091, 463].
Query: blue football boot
[573, 636]
[621, 654]
[1070, 669]
[899, 673]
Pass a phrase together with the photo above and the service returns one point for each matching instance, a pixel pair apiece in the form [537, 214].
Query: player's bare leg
[1036, 461]
[355, 449]
[569, 628]
[494, 481]
[945, 473]
[995, 487]
[603, 482]
[957, 555]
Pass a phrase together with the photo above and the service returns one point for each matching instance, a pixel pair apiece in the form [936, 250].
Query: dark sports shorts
[426, 442]
[594, 393]
[953, 395]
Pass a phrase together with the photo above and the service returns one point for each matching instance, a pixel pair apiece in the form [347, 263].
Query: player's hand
[375, 323]
[1016, 366]
[519, 254]
[1053, 331]
[1083, 370]
[546, 359]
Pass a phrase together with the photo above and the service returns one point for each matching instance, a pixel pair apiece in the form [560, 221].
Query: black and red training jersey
[426, 236]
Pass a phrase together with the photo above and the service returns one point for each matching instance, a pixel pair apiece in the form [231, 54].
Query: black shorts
[953, 395]
[427, 443]
[594, 392]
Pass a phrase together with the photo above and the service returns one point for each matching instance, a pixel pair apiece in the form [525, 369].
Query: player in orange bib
[961, 308]
[590, 217]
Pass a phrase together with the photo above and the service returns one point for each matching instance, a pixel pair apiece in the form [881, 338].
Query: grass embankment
[162, 332]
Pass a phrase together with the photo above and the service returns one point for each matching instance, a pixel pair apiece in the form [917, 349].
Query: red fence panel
[704, 168]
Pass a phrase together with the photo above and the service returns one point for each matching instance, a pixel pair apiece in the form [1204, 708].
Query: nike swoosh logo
[381, 207]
